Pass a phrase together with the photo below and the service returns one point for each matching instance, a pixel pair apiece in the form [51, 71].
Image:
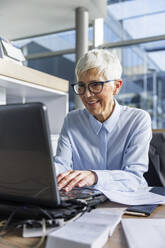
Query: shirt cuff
[59, 169]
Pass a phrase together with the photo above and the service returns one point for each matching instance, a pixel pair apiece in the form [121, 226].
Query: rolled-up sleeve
[63, 158]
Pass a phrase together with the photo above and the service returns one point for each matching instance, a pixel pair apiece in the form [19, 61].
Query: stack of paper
[105, 216]
[142, 233]
[79, 235]
[10, 52]
[90, 230]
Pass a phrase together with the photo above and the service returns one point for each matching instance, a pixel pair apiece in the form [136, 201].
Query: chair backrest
[156, 172]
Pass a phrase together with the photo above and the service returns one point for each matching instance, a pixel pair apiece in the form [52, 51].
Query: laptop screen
[27, 173]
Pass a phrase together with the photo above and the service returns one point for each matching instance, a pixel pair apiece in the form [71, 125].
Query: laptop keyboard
[79, 193]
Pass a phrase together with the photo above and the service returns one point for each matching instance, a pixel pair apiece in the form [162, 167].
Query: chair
[155, 175]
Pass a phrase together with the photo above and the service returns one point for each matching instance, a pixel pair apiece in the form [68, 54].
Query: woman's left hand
[69, 179]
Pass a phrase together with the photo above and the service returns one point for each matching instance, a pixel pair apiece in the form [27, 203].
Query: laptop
[27, 170]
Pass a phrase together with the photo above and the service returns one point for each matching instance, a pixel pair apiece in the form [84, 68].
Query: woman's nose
[87, 92]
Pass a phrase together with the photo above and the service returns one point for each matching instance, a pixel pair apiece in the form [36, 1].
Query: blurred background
[134, 29]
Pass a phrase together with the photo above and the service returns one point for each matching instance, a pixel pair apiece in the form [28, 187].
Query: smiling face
[101, 105]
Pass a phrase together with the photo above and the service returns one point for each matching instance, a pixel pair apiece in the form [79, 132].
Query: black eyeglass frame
[91, 83]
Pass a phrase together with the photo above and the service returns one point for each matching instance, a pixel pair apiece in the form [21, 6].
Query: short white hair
[101, 59]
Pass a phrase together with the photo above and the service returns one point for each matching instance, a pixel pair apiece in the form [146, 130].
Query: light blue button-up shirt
[116, 150]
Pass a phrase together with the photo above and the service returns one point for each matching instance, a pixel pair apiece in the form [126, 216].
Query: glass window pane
[139, 18]
[143, 80]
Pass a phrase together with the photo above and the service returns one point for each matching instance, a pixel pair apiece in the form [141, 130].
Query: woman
[106, 144]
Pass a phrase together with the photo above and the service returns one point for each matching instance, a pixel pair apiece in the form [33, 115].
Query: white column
[98, 32]
[81, 40]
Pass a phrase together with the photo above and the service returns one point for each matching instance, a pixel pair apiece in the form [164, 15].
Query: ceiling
[21, 19]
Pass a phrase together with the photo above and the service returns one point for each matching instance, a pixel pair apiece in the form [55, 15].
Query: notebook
[27, 171]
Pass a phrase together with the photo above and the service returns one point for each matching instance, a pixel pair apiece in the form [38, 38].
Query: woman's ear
[118, 84]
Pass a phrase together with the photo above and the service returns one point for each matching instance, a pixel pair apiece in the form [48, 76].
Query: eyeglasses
[94, 87]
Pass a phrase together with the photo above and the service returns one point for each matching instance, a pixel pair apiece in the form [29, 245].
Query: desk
[117, 240]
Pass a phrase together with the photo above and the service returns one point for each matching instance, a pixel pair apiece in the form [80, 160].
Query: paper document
[103, 216]
[134, 198]
[12, 51]
[142, 233]
[79, 234]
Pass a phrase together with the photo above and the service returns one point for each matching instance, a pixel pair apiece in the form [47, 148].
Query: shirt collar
[109, 124]
[112, 121]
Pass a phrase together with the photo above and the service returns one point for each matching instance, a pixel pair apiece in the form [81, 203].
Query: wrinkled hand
[69, 179]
